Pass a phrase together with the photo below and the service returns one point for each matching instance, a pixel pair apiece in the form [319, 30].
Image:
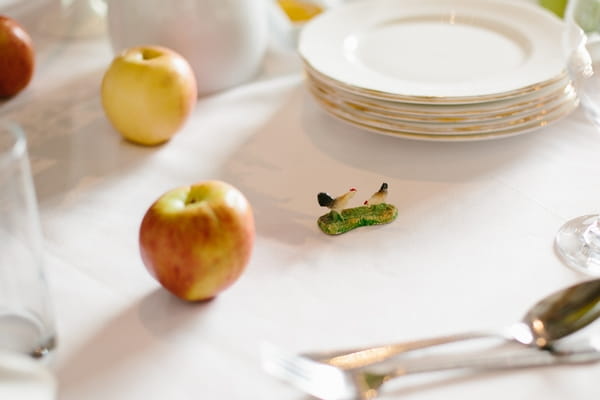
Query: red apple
[17, 57]
[196, 240]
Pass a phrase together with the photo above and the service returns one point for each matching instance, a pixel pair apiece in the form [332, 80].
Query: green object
[556, 6]
[587, 15]
[334, 223]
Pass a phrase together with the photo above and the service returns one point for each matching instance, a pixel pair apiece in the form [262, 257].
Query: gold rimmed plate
[436, 51]
[446, 114]
[543, 119]
[528, 91]
[443, 129]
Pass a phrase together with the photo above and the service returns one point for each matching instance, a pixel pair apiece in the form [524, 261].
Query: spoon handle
[520, 358]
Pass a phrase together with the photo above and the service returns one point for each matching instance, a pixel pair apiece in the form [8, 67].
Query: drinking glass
[75, 19]
[578, 240]
[26, 318]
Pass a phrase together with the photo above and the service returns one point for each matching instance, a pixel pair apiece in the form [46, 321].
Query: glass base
[24, 335]
[578, 244]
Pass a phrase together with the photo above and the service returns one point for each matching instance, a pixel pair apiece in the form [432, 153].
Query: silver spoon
[552, 318]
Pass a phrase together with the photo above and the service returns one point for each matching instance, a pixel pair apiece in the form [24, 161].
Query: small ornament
[336, 204]
[379, 196]
[340, 219]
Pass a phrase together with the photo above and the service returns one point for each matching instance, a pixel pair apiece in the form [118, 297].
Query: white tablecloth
[472, 246]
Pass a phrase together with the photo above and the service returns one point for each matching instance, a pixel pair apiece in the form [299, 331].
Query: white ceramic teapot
[223, 40]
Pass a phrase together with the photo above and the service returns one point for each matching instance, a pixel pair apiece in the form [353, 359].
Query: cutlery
[329, 382]
[550, 319]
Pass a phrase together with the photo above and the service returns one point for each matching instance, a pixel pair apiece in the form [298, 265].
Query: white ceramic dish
[435, 50]
[440, 128]
[463, 124]
[454, 137]
[390, 128]
[440, 102]
[447, 112]
[519, 109]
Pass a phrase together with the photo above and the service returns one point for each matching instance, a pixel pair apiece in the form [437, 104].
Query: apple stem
[149, 54]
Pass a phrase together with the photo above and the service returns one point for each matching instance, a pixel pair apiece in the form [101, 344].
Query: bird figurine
[337, 204]
[379, 196]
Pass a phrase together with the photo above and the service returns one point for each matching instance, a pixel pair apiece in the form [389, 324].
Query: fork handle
[363, 357]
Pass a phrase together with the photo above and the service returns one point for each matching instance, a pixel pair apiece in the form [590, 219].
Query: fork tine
[320, 380]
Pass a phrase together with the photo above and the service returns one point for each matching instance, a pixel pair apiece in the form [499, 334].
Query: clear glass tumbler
[26, 316]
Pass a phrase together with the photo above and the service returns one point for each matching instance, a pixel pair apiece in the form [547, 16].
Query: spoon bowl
[563, 313]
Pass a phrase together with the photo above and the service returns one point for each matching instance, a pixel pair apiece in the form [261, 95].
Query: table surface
[472, 246]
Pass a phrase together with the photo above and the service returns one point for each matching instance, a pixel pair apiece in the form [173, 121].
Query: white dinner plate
[451, 102]
[448, 126]
[543, 118]
[436, 50]
[448, 113]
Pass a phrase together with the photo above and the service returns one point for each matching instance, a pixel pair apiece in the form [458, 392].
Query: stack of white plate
[439, 69]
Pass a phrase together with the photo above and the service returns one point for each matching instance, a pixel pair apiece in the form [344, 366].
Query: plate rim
[545, 106]
[522, 102]
[456, 137]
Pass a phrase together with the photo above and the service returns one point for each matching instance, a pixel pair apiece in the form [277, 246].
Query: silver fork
[329, 382]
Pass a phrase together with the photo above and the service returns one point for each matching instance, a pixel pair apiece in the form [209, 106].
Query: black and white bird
[338, 203]
[379, 196]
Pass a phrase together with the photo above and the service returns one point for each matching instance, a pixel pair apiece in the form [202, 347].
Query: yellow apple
[196, 240]
[148, 92]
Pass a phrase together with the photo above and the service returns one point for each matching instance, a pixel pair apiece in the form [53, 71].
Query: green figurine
[340, 219]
